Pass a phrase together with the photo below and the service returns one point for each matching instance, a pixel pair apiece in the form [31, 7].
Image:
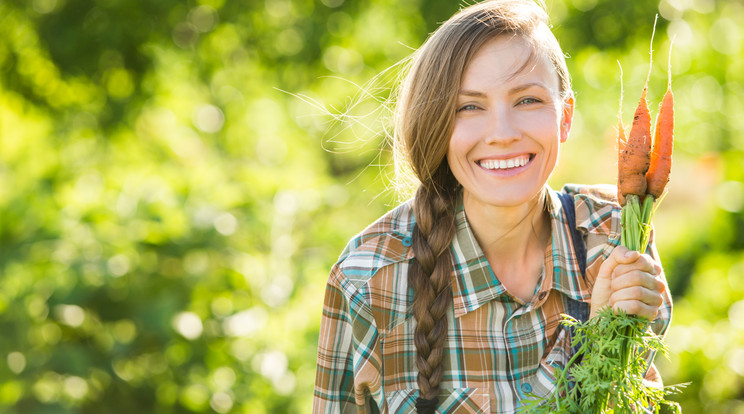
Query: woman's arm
[334, 379]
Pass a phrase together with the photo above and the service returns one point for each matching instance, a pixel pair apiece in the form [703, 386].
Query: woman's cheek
[464, 134]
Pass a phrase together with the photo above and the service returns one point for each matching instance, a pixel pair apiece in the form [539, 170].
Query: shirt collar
[475, 284]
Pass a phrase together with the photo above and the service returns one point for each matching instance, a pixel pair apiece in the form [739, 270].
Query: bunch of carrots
[612, 346]
[643, 173]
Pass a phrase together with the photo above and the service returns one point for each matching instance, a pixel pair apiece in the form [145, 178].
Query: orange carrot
[657, 176]
[634, 160]
[621, 144]
[621, 139]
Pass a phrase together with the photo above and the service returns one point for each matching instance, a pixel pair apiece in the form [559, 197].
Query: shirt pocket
[542, 383]
[451, 401]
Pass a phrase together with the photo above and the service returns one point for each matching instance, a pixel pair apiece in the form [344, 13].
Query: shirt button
[542, 295]
[407, 241]
[526, 387]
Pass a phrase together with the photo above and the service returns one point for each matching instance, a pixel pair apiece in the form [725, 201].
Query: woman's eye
[467, 108]
[527, 101]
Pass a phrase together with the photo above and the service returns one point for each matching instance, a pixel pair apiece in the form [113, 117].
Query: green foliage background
[174, 187]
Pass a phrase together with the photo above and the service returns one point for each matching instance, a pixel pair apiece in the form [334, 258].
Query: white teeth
[504, 164]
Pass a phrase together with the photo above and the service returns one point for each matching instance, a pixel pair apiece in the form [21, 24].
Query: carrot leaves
[594, 380]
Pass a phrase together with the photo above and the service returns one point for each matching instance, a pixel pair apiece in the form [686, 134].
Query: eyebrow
[468, 92]
[527, 86]
[519, 88]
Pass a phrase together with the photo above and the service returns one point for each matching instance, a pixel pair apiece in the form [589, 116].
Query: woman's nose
[501, 129]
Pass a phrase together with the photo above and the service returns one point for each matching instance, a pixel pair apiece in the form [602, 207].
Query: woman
[452, 301]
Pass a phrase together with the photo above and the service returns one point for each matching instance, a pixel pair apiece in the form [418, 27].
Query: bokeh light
[177, 179]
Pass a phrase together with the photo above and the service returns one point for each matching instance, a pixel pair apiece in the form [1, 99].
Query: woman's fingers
[602, 290]
[637, 293]
[634, 307]
[637, 278]
[641, 262]
[629, 281]
[620, 256]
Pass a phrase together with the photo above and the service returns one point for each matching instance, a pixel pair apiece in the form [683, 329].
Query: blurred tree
[177, 178]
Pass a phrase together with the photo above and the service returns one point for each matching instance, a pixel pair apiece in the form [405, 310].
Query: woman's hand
[630, 281]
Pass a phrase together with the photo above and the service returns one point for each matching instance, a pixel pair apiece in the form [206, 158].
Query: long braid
[429, 276]
[424, 121]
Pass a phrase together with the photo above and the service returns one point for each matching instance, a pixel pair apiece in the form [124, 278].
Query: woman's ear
[567, 117]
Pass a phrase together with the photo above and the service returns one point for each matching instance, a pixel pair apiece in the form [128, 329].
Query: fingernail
[630, 253]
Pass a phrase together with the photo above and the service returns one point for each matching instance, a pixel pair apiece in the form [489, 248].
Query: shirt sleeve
[348, 377]
[663, 318]
[334, 378]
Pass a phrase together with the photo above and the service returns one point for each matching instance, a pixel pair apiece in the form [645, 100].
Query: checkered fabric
[499, 348]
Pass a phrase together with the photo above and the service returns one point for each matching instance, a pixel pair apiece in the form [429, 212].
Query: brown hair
[424, 121]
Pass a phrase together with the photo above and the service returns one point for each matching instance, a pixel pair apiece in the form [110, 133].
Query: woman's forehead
[505, 59]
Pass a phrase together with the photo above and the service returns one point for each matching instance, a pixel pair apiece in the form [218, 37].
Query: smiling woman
[498, 105]
[452, 301]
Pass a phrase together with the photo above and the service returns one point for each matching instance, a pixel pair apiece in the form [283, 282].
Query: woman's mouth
[506, 163]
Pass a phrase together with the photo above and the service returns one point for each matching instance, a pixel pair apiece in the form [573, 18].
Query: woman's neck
[513, 239]
[508, 230]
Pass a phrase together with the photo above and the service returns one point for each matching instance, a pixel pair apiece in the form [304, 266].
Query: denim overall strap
[576, 309]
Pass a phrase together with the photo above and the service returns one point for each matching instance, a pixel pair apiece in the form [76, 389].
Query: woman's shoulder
[597, 209]
[384, 242]
[598, 194]
[371, 271]
[598, 217]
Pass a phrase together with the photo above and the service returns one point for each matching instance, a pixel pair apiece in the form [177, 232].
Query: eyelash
[468, 107]
[525, 101]
[529, 100]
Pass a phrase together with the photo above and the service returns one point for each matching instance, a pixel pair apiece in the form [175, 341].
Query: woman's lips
[505, 163]
[505, 167]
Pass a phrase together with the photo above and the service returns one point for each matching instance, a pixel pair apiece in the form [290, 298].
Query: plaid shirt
[498, 350]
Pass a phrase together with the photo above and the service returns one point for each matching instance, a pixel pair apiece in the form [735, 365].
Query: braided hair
[424, 121]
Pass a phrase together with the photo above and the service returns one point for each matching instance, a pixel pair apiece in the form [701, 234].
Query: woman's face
[510, 121]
